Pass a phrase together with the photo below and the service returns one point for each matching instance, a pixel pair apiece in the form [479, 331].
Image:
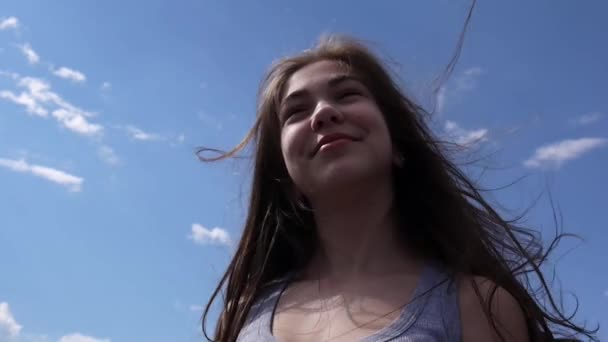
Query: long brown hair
[453, 222]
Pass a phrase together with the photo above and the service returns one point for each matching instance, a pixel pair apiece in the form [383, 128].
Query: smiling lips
[332, 139]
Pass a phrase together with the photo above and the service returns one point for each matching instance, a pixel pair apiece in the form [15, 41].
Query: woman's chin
[339, 175]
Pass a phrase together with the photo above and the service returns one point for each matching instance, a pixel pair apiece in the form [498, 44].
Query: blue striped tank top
[432, 315]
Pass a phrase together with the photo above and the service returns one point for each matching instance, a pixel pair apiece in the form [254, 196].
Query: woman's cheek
[291, 143]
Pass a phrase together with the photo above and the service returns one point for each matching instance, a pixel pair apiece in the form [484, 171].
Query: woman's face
[332, 131]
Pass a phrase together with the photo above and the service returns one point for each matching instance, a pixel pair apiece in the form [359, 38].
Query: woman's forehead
[315, 74]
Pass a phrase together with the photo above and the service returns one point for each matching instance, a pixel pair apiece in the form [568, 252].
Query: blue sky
[112, 230]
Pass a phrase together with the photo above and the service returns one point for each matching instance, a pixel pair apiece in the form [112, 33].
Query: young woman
[360, 228]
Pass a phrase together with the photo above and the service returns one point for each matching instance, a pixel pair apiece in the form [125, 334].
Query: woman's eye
[293, 111]
[347, 94]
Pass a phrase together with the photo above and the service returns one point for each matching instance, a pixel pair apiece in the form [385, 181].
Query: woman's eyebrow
[294, 95]
[339, 79]
[332, 83]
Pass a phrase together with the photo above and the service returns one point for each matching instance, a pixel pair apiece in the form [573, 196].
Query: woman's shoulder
[257, 323]
[503, 307]
[268, 295]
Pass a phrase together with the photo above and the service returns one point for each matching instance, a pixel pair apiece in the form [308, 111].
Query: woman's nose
[326, 114]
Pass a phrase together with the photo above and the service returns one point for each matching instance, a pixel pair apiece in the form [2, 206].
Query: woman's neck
[357, 231]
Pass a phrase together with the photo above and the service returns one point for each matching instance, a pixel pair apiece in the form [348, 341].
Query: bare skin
[346, 313]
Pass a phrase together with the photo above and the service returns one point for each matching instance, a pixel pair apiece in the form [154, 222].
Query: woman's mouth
[332, 141]
[334, 144]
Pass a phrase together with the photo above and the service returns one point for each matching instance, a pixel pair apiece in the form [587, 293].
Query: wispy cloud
[210, 121]
[556, 154]
[77, 337]
[12, 75]
[196, 308]
[71, 182]
[12, 331]
[38, 98]
[9, 23]
[26, 100]
[75, 121]
[105, 90]
[29, 53]
[70, 74]
[107, 154]
[464, 82]
[178, 140]
[203, 236]
[139, 134]
[587, 119]
[441, 100]
[8, 322]
[463, 136]
[468, 79]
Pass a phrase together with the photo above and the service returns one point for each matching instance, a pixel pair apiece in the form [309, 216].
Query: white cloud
[107, 154]
[210, 121]
[29, 53]
[178, 140]
[203, 236]
[196, 308]
[77, 337]
[441, 99]
[75, 121]
[467, 80]
[558, 153]
[8, 322]
[177, 305]
[587, 119]
[465, 137]
[37, 96]
[12, 75]
[463, 83]
[26, 100]
[138, 134]
[11, 330]
[41, 91]
[70, 74]
[37, 87]
[9, 23]
[71, 182]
